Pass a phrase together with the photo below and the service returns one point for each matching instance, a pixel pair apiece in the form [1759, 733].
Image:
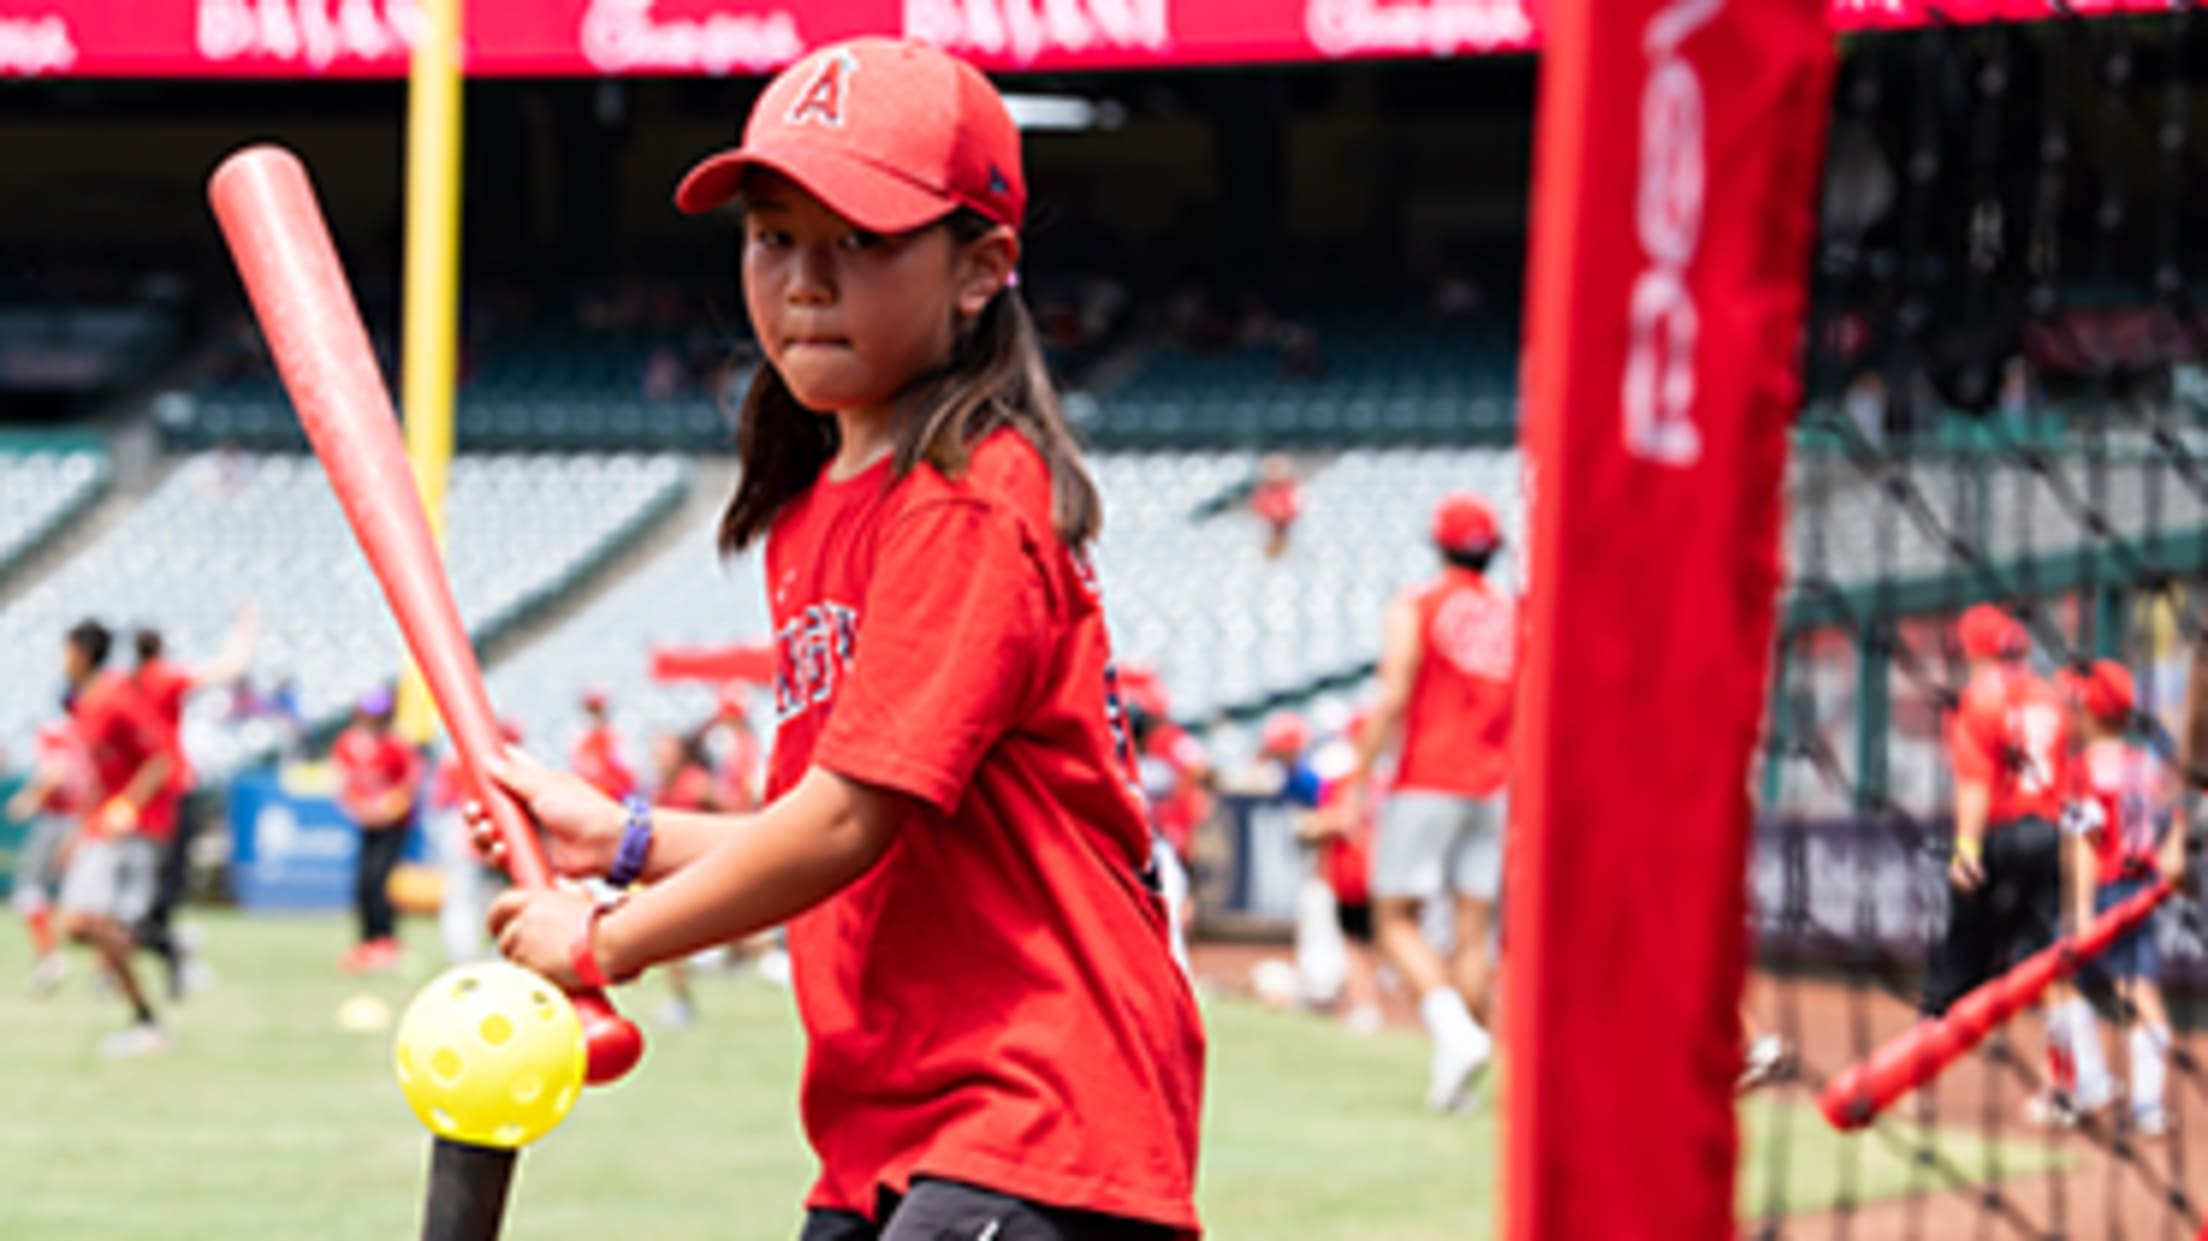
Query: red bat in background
[1856, 1097]
[283, 251]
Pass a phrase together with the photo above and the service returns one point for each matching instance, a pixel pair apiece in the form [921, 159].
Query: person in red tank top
[167, 685]
[109, 883]
[1447, 671]
[999, 1042]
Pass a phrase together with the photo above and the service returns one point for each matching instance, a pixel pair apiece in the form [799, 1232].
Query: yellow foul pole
[430, 331]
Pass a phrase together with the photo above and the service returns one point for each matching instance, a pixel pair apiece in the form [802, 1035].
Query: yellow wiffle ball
[490, 1054]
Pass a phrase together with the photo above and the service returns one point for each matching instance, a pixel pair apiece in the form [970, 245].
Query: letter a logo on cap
[823, 98]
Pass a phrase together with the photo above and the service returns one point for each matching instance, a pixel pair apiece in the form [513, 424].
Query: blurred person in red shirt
[379, 780]
[1276, 500]
[470, 879]
[596, 755]
[1345, 861]
[736, 776]
[167, 685]
[683, 779]
[49, 802]
[2128, 829]
[2010, 741]
[109, 884]
[1177, 778]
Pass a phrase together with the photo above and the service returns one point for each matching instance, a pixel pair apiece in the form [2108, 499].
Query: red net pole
[1677, 154]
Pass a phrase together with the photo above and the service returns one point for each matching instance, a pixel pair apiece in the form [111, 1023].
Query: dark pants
[168, 883]
[951, 1211]
[2014, 913]
[379, 855]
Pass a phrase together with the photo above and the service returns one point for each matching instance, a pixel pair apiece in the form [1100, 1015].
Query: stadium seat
[39, 492]
[221, 531]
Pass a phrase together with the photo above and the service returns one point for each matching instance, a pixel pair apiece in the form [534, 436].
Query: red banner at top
[566, 38]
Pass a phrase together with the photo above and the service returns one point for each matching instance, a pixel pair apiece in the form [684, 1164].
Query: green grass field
[269, 1121]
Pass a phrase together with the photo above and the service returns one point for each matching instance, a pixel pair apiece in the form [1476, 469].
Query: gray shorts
[1432, 844]
[38, 866]
[111, 878]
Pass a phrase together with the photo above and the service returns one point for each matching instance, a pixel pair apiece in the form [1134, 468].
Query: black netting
[2007, 404]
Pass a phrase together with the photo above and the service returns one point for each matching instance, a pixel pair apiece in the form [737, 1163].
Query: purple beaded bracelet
[636, 841]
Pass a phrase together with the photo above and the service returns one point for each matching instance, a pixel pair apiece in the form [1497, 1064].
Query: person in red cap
[1000, 1043]
[379, 786]
[2129, 831]
[596, 754]
[1447, 667]
[2010, 743]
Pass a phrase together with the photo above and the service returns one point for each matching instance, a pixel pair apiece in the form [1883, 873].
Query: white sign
[1022, 30]
[1663, 323]
[1418, 27]
[33, 45]
[315, 33]
[623, 36]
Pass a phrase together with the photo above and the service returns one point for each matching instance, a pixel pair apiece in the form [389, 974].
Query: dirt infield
[2097, 1193]
[2112, 1185]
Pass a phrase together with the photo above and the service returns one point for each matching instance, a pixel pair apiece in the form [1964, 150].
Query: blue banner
[292, 847]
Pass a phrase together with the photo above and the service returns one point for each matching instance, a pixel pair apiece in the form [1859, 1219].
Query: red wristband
[582, 954]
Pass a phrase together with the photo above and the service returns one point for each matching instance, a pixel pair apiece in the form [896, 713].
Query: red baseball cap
[1463, 524]
[2107, 692]
[889, 133]
[594, 698]
[1143, 690]
[2071, 684]
[728, 701]
[1986, 632]
[1284, 734]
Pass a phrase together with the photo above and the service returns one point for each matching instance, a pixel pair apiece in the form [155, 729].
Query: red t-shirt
[597, 759]
[166, 686]
[1456, 731]
[995, 1001]
[1180, 810]
[1277, 503]
[736, 784]
[2011, 731]
[691, 789]
[57, 748]
[120, 734]
[2130, 799]
[370, 767]
[1348, 858]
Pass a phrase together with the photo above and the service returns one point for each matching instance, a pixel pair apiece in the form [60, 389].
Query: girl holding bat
[1000, 1043]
